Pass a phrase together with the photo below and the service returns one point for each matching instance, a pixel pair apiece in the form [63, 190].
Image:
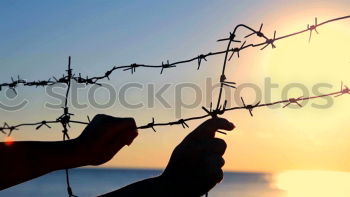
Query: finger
[209, 127]
[208, 180]
[122, 123]
[115, 126]
[124, 138]
[204, 147]
[219, 175]
[216, 146]
[106, 119]
[215, 161]
[211, 169]
[130, 122]
[123, 131]
[209, 163]
[213, 166]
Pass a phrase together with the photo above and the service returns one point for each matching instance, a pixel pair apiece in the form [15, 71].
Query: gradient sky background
[36, 38]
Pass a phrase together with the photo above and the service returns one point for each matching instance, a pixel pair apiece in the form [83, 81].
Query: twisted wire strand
[209, 113]
[199, 58]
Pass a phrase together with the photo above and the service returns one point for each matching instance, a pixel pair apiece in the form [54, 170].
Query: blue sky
[122, 31]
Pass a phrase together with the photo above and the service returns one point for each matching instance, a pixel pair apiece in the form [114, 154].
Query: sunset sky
[37, 37]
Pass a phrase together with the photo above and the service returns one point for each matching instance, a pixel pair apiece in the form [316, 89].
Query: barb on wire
[6, 126]
[2, 131]
[200, 58]
[229, 84]
[343, 90]
[183, 123]
[258, 33]
[215, 112]
[210, 111]
[231, 38]
[63, 79]
[149, 125]
[108, 73]
[294, 100]
[9, 128]
[249, 107]
[270, 42]
[64, 119]
[312, 28]
[86, 80]
[221, 109]
[237, 50]
[167, 65]
[43, 123]
[132, 68]
[80, 79]
[91, 81]
[15, 83]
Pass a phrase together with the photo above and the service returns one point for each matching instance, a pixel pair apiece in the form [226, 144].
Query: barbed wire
[132, 67]
[183, 122]
[65, 119]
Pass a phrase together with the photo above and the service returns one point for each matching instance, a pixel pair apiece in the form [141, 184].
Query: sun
[8, 140]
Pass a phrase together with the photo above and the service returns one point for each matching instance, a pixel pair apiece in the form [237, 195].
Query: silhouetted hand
[195, 165]
[104, 137]
[97, 144]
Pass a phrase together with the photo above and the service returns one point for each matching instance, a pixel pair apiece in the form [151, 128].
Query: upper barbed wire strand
[199, 58]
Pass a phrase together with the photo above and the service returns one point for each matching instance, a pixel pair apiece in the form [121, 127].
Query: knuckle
[220, 175]
[220, 145]
[217, 123]
[212, 123]
[223, 145]
[98, 116]
[103, 117]
[136, 134]
[221, 161]
[130, 121]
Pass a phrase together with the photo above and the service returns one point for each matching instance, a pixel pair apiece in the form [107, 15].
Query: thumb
[209, 127]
